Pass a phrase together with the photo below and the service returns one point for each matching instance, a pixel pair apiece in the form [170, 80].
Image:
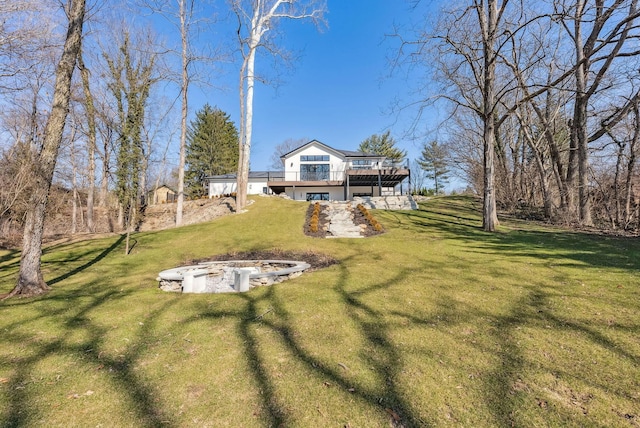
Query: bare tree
[469, 43]
[30, 279]
[601, 34]
[25, 32]
[186, 13]
[256, 18]
[183, 19]
[90, 112]
[283, 148]
[16, 164]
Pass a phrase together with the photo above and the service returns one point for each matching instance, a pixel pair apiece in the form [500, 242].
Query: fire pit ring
[231, 276]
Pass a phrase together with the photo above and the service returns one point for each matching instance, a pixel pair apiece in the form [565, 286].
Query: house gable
[311, 148]
[319, 162]
[314, 161]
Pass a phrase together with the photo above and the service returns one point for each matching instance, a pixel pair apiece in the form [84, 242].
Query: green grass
[433, 323]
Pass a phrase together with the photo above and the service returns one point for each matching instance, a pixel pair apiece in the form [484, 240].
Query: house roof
[345, 153]
[353, 154]
[160, 187]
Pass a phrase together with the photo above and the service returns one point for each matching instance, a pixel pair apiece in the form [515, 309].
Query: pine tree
[433, 161]
[383, 145]
[212, 148]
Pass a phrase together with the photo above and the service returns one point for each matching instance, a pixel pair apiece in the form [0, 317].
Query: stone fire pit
[229, 276]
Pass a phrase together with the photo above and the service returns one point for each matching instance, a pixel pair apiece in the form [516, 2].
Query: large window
[314, 172]
[314, 158]
[361, 164]
[317, 196]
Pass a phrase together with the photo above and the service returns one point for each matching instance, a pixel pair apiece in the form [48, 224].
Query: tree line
[541, 101]
[105, 130]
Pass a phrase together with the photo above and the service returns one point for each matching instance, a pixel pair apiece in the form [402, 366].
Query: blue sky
[339, 91]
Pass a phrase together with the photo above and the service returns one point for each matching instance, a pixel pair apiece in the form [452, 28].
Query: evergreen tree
[383, 145]
[212, 148]
[433, 161]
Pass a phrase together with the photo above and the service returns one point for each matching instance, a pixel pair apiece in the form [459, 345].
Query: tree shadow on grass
[533, 309]
[585, 249]
[98, 257]
[11, 254]
[375, 328]
[24, 408]
[385, 359]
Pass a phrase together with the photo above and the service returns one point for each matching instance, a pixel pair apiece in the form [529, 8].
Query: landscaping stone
[341, 223]
[400, 202]
[229, 276]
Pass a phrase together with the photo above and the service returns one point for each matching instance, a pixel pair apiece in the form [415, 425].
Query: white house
[258, 183]
[316, 171]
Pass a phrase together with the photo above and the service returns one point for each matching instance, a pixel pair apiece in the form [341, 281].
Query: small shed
[162, 195]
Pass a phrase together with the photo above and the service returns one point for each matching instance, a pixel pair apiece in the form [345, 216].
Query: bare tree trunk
[581, 144]
[183, 121]
[586, 57]
[245, 137]
[104, 181]
[488, 23]
[74, 211]
[129, 225]
[535, 149]
[631, 164]
[30, 279]
[616, 184]
[74, 185]
[91, 124]
[263, 13]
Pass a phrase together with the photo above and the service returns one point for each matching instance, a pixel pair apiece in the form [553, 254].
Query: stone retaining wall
[404, 202]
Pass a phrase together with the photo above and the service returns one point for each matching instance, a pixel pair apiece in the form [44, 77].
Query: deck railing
[339, 176]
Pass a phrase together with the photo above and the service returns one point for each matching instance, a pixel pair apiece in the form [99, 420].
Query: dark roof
[352, 154]
[346, 153]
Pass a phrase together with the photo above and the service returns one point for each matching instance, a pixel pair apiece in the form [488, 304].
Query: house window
[314, 158]
[361, 164]
[314, 172]
[317, 196]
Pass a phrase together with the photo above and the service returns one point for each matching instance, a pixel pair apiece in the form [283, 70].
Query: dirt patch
[156, 217]
[163, 216]
[316, 260]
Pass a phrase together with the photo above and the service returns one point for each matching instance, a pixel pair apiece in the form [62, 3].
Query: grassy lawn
[432, 323]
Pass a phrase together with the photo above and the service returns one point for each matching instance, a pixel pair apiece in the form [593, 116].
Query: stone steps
[341, 223]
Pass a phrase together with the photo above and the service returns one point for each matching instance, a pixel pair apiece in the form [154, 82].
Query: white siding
[256, 186]
[300, 194]
[292, 163]
[219, 187]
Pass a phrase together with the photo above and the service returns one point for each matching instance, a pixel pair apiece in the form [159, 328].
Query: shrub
[372, 221]
[314, 220]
